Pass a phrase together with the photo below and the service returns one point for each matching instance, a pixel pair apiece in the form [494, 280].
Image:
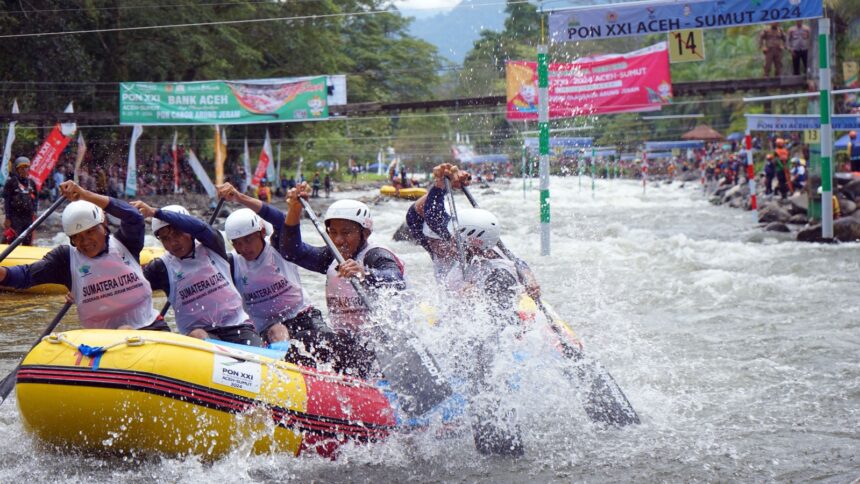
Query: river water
[737, 349]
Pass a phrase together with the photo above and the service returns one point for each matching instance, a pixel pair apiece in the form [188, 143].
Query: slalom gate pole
[826, 135]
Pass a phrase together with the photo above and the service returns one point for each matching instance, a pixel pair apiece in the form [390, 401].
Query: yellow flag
[220, 154]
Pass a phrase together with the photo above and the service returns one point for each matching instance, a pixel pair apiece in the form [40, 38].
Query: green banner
[223, 102]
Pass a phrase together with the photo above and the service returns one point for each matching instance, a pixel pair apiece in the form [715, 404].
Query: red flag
[47, 156]
[263, 165]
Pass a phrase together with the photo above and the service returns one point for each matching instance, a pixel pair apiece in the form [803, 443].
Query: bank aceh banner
[636, 81]
[640, 18]
[223, 102]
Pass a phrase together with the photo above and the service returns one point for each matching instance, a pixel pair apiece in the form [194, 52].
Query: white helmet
[81, 215]
[158, 224]
[351, 210]
[243, 222]
[479, 228]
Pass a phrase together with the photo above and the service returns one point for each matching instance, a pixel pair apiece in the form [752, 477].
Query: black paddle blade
[494, 439]
[8, 384]
[605, 402]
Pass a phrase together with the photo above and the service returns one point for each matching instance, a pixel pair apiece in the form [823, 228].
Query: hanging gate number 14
[686, 46]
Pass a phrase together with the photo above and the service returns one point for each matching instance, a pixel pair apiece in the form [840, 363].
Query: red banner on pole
[263, 165]
[47, 156]
[636, 81]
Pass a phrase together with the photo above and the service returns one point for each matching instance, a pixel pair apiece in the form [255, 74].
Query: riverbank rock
[798, 219]
[852, 189]
[847, 207]
[845, 229]
[776, 227]
[798, 204]
[690, 175]
[773, 213]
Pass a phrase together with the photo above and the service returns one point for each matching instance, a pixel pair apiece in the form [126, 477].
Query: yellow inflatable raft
[152, 392]
[27, 255]
[413, 193]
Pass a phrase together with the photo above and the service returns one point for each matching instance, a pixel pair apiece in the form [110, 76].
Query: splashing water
[737, 349]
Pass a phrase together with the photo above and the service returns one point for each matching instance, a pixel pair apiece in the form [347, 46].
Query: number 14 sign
[686, 46]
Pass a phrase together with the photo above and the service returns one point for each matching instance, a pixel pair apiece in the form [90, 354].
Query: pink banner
[636, 81]
[47, 156]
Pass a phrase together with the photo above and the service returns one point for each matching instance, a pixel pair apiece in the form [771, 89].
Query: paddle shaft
[331, 247]
[607, 402]
[455, 224]
[211, 221]
[32, 227]
[8, 383]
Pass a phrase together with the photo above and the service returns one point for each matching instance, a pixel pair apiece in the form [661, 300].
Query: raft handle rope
[133, 341]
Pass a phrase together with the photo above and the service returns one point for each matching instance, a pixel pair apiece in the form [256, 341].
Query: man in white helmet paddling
[195, 275]
[270, 286]
[101, 269]
[349, 224]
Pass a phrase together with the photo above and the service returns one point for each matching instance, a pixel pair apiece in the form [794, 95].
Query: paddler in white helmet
[270, 286]
[195, 275]
[349, 224]
[431, 225]
[101, 270]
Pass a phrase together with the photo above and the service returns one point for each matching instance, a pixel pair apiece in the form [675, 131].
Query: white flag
[7, 149]
[379, 162]
[270, 169]
[131, 171]
[79, 156]
[246, 163]
[201, 174]
[68, 129]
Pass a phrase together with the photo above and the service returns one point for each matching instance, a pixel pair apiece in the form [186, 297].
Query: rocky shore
[790, 215]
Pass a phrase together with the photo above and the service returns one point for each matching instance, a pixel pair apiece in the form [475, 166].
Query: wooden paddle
[8, 383]
[606, 402]
[411, 371]
[54, 206]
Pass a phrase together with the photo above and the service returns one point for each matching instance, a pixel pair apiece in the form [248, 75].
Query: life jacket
[21, 200]
[202, 292]
[270, 286]
[782, 156]
[346, 311]
[110, 290]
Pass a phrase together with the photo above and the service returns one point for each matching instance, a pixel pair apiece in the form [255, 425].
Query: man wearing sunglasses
[101, 269]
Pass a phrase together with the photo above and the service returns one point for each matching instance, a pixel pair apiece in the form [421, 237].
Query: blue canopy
[671, 145]
[328, 165]
[736, 136]
[841, 143]
[375, 166]
[487, 159]
[659, 154]
[533, 144]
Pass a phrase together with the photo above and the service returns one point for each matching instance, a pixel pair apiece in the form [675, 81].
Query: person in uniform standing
[771, 41]
[798, 43]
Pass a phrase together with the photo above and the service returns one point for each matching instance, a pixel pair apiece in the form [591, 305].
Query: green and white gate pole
[525, 155]
[826, 132]
[593, 169]
[543, 127]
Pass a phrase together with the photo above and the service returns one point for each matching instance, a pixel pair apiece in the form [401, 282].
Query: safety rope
[96, 352]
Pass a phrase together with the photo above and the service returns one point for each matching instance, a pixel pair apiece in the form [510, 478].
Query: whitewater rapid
[737, 348]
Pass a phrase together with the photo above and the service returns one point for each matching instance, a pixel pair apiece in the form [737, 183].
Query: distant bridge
[679, 89]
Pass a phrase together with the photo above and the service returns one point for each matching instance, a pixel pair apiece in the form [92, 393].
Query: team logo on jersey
[84, 270]
[126, 261]
[244, 280]
[179, 275]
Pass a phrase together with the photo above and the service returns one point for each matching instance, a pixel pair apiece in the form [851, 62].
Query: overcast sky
[430, 6]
